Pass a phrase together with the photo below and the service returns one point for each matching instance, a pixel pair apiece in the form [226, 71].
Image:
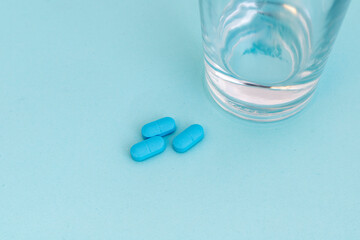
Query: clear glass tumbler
[264, 58]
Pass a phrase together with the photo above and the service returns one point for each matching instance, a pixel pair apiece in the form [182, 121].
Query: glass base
[258, 103]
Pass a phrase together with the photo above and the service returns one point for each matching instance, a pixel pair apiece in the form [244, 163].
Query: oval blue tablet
[188, 138]
[147, 148]
[161, 127]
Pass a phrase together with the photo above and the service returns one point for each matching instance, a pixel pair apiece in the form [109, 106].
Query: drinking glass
[264, 58]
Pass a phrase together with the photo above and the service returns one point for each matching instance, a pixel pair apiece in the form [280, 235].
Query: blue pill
[188, 138]
[161, 127]
[147, 148]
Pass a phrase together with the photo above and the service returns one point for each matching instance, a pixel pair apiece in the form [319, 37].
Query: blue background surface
[79, 78]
